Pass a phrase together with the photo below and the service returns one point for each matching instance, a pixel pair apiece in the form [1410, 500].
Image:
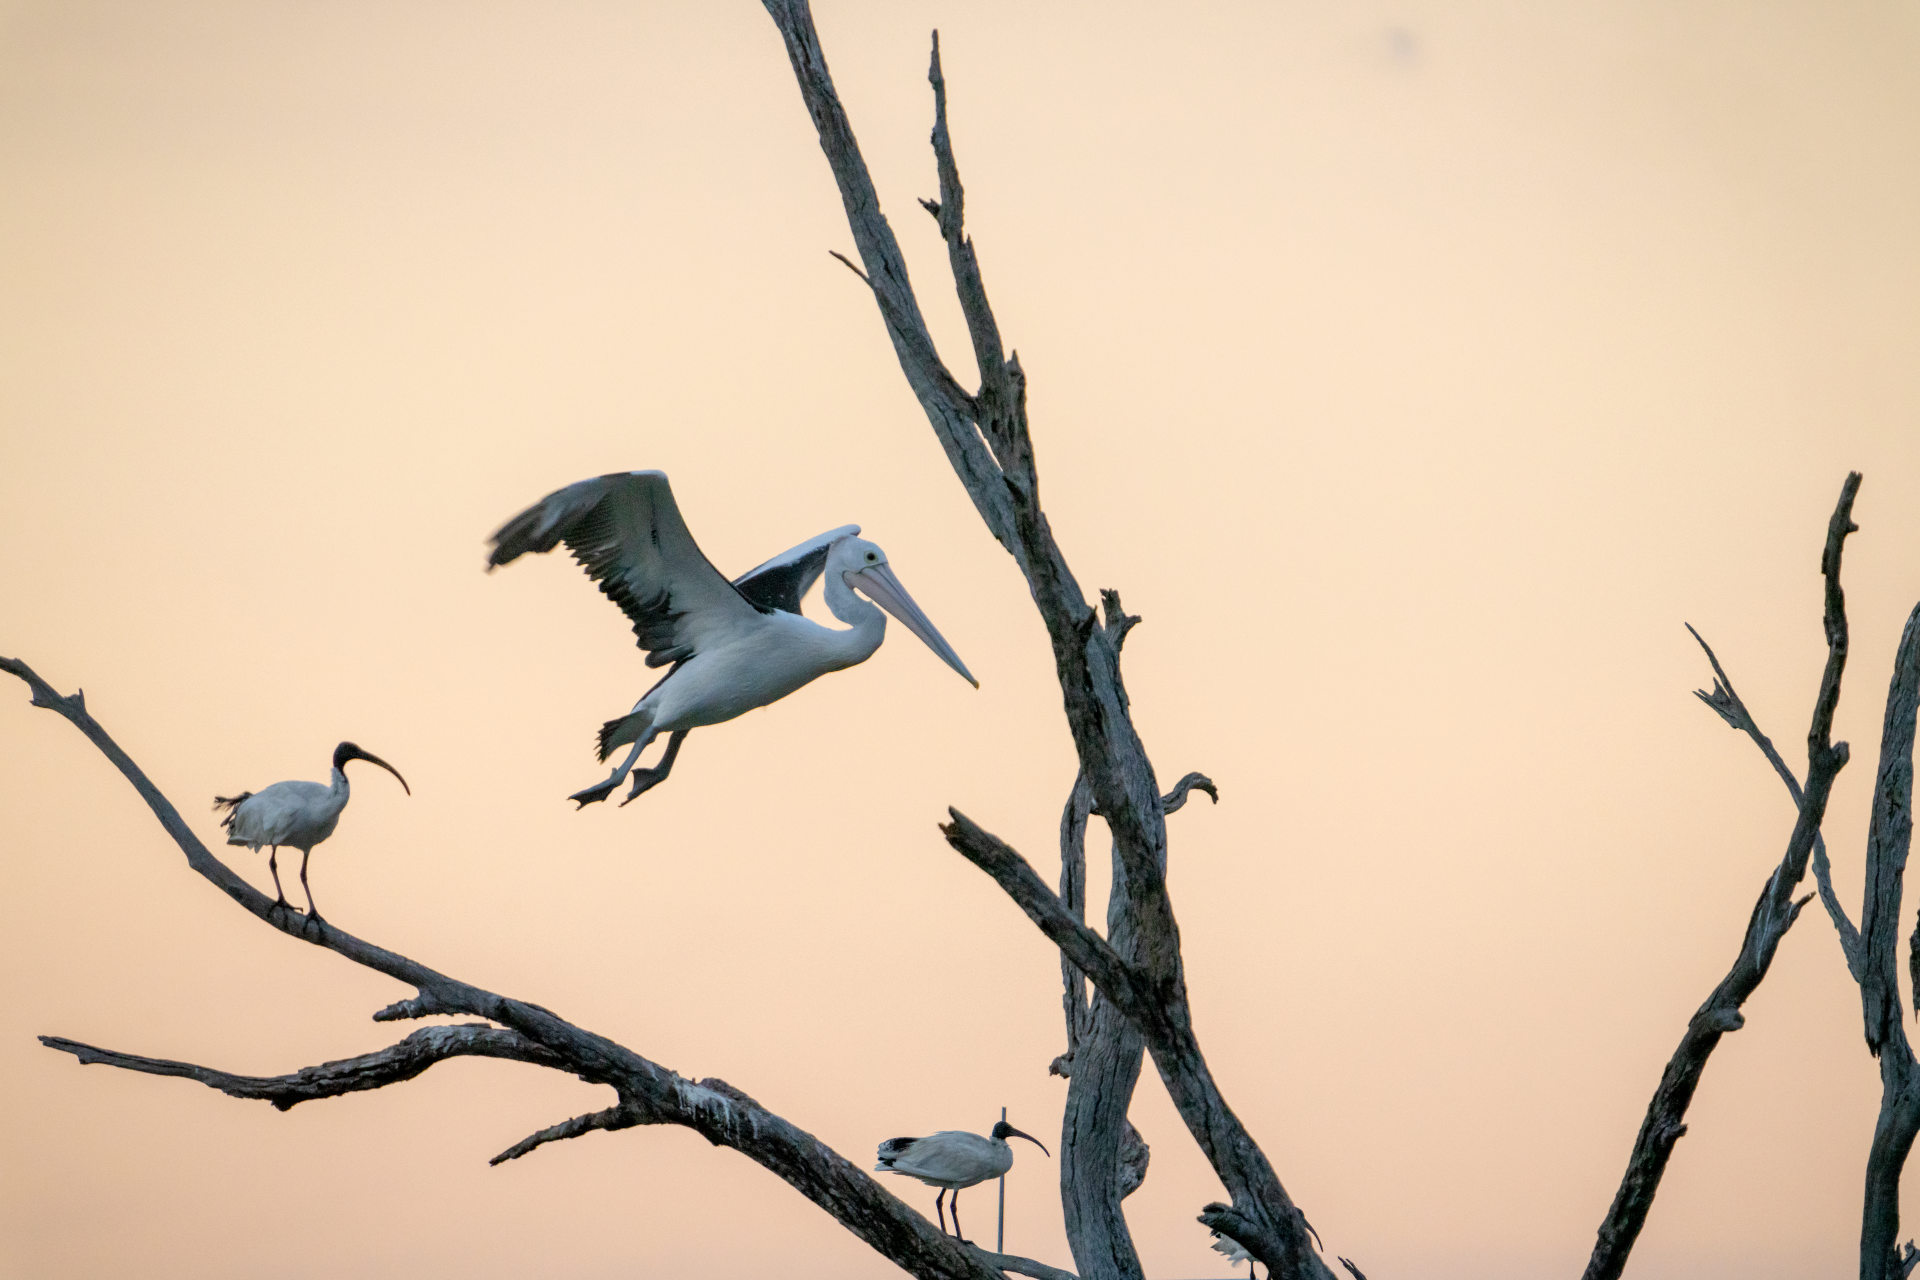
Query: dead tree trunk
[985, 435]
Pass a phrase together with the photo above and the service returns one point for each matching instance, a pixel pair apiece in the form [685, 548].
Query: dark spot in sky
[1403, 47]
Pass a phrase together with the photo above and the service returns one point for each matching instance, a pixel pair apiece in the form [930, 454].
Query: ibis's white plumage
[730, 646]
[952, 1159]
[297, 815]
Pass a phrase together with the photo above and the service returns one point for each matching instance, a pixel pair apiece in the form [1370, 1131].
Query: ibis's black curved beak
[351, 751]
[1015, 1133]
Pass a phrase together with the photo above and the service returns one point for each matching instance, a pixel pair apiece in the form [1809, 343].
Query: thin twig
[623, 1115]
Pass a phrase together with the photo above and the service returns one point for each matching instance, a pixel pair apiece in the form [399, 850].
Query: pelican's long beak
[885, 589]
[370, 758]
[1015, 1133]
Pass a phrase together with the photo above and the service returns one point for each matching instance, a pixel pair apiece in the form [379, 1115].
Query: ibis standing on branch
[952, 1160]
[298, 815]
[728, 646]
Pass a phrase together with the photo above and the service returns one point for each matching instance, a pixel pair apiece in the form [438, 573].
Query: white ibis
[728, 646]
[298, 815]
[952, 1160]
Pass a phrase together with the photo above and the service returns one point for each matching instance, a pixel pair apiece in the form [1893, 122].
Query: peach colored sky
[1414, 369]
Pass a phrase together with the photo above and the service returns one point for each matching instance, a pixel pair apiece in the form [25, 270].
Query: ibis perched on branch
[298, 815]
[728, 646]
[952, 1159]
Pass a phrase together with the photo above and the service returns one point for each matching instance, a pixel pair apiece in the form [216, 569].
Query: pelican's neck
[868, 624]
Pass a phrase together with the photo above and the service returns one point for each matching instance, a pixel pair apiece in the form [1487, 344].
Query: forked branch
[648, 1092]
[1773, 914]
[987, 441]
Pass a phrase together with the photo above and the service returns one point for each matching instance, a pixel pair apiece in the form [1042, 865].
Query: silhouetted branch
[717, 1111]
[1192, 782]
[623, 1115]
[1086, 949]
[1728, 705]
[1773, 914]
[1016, 1265]
[1003, 484]
[392, 1065]
[1889, 837]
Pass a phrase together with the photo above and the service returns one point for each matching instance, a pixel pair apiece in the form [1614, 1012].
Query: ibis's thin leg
[956, 1218]
[939, 1211]
[273, 865]
[645, 779]
[312, 914]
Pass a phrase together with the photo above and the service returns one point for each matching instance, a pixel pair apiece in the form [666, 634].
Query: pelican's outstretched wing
[782, 582]
[627, 533]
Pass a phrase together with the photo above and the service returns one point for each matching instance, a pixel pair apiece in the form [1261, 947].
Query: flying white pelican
[728, 646]
[952, 1159]
[298, 815]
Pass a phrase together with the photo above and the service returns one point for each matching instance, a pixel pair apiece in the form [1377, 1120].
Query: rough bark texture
[986, 439]
[1773, 914]
[1102, 1063]
[646, 1092]
[1889, 838]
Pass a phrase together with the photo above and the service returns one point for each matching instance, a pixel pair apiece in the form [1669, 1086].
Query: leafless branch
[1087, 950]
[1004, 486]
[1177, 797]
[1073, 897]
[1727, 704]
[392, 1065]
[525, 1032]
[623, 1115]
[1773, 914]
[1889, 838]
[1016, 1265]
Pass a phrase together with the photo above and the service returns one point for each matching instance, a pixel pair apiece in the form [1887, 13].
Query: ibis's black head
[1003, 1131]
[351, 751]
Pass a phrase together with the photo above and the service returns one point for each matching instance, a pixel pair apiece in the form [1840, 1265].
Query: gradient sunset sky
[1414, 369]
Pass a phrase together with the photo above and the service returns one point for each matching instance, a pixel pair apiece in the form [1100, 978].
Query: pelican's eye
[871, 557]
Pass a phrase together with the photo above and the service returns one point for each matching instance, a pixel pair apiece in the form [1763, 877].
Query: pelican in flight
[298, 815]
[728, 646]
[952, 1159]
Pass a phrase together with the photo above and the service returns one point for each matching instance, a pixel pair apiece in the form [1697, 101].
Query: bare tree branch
[1773, 914]
[1889, 838]
[1019, 1266]
[717, 1111]
[1004, 487]
[1177, 797]
[622, 1115]
[1727, 704]
[392, 1065]
[1073, 897]
[1087, 950]
[1102, 1157]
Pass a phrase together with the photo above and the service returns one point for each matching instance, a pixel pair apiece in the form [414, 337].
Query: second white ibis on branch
[728, 646]
[298, 815]
[952, 1160]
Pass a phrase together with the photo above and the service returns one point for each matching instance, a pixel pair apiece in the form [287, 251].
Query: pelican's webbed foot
[595, 794]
